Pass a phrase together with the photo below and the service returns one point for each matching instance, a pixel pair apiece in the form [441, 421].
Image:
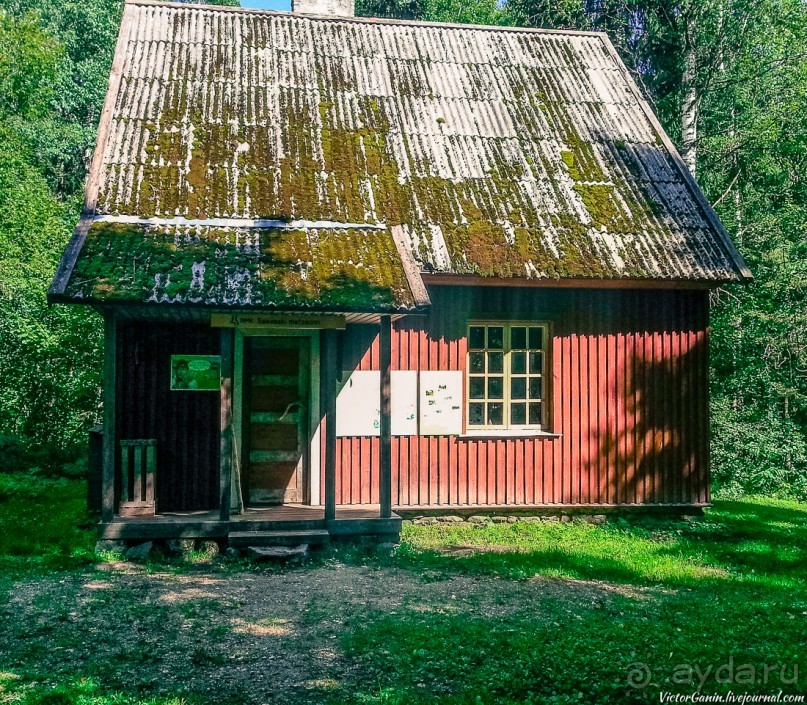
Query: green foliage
[61, 139]
[49, 357]
[394, 9]
[481, 12]
[28, 65]
[485, 12]
[753, 156]
[550, 14]
[756, 449]
[52, 82]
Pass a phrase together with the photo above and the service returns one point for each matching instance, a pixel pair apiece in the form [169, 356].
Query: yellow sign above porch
[277, 320]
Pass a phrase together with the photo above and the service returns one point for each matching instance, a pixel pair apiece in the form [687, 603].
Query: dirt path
[249, 637]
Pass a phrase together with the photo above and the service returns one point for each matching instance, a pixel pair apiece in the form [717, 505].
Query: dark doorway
[278, 380]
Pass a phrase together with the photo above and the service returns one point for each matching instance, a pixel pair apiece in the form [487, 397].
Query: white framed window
[506, 375]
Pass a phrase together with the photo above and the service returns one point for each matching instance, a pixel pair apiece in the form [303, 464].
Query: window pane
[518, 388]
[495, 362]
[536, 388]
[536, 338]
[536, 362]
[477, 390]
[496, 388]
[495, 338]
[495, 414]
[518, 363]
[518, 338]
[535, 415]
[477, 362]
[477, 415]
[476, 339]
[518, 414]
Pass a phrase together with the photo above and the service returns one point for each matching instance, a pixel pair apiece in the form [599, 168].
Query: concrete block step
[278, 554]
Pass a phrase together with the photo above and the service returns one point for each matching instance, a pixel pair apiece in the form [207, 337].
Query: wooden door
[279, 406]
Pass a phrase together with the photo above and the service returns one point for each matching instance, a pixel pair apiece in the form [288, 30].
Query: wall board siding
[185, 424]
[629, 382]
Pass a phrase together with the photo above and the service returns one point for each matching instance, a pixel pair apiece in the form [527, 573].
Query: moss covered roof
[283, 268]
[495, 152]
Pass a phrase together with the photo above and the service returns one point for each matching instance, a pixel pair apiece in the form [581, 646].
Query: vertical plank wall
[185, 423]
[629, 400]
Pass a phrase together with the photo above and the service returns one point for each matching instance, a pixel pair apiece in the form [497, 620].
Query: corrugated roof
[497, 152]
[283, 268]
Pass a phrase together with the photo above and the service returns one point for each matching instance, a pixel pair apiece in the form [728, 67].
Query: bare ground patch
[253, 637]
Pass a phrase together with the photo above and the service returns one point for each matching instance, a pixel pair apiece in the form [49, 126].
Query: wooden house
[354, 268]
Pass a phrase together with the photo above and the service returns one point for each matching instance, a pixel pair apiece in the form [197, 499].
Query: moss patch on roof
[346, 269]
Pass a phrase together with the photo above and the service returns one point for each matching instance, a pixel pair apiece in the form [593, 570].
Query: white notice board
[440, 403]
[358, 404]
[404, 397]
[358, 407]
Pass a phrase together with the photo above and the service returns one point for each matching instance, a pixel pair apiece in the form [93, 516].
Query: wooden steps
[246, 539]
[253, 525]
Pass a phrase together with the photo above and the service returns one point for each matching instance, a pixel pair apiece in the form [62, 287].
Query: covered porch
[130, 507]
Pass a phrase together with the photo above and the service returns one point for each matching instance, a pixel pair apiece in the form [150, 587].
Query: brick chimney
[337, 8]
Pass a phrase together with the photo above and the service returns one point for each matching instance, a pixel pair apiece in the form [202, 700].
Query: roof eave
[449, 279]
[71, 253]
[68, 260]
[62, 298]
[363, 20]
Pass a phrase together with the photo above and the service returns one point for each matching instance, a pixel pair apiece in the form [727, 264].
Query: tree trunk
[690, 99]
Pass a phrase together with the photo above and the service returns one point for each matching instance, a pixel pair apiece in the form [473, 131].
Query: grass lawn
[505, 613]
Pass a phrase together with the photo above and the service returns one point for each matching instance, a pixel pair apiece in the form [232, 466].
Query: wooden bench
[138, 476]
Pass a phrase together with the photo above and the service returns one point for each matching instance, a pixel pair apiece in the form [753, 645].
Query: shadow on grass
[735, 542]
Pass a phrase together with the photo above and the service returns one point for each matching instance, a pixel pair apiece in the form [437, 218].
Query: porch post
[328, 395]
[385, 459]
[226, 423]
[110, 384]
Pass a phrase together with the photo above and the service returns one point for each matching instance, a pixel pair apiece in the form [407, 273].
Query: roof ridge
[367, 20]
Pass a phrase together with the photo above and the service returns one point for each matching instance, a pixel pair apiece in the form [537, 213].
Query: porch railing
[138, 465]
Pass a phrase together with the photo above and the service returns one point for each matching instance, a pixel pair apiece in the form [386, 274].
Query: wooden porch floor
[285, 512]
[304, 512]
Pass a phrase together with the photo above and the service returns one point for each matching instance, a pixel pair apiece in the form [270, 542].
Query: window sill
[515, 433]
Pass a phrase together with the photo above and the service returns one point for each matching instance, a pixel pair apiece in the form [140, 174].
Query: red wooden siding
[629, 394]
[185, 424]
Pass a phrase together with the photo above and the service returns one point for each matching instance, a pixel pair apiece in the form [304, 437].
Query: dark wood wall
[630, 400]
[185, 423]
